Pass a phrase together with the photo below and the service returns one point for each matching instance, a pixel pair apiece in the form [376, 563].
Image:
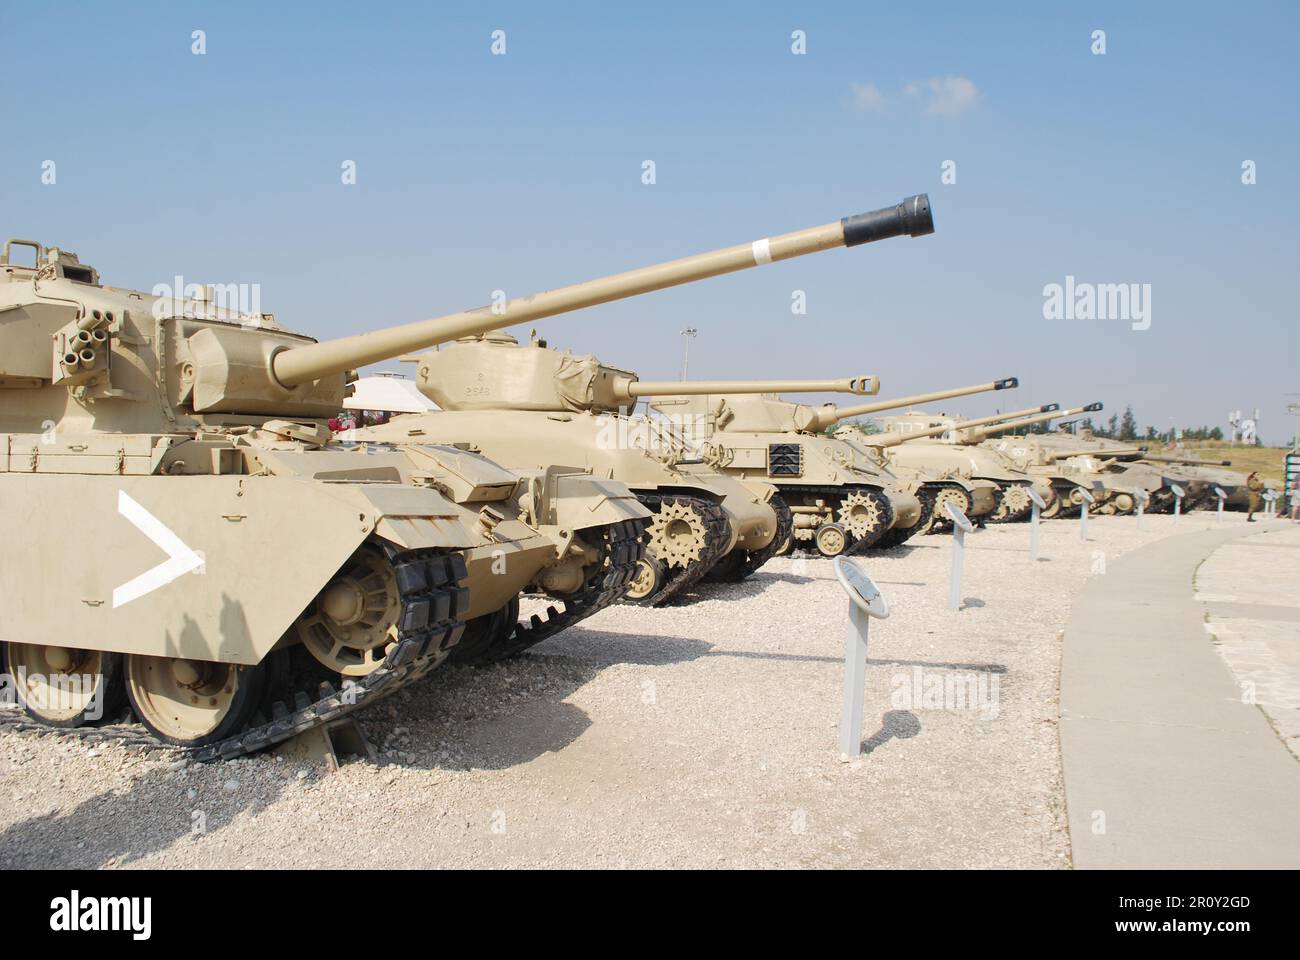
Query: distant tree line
[1122, 427]
[1126, 428]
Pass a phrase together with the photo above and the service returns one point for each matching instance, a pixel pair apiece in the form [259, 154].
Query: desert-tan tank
[1113, 470]
[994, 500]
[1056, 484]
[983, 485]
[525, 404]
[844, 496]
[1199, 478]
[256, 534]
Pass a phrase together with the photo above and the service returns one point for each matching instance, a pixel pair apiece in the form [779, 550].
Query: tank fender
[231, 596]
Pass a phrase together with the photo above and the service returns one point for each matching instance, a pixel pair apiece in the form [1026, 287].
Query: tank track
[428, 627]
[941, 523]
[746, 563]
[715, 521]
[1162, 501]
[622, 548]
[895, 537]
[1068, 509]
[1013, 516]
[834, 494]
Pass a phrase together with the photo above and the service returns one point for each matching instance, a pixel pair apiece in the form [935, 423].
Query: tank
[999, 500]
[1199, 478]
[1113, 470]
[843, 497]
[984, 485]
[526, 404]
[194, 442]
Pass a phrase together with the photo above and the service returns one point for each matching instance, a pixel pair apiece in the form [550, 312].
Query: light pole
[687, 334]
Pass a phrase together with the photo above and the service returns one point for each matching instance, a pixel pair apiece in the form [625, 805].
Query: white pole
[855, 682]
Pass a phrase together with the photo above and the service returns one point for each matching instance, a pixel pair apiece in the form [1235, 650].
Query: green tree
[1128, 427]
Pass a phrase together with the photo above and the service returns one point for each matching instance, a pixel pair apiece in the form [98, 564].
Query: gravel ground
[702, 735]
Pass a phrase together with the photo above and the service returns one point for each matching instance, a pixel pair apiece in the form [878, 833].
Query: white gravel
[702, 735]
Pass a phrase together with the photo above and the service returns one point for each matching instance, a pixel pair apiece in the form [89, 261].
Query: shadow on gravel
[895, 725]
[114, 828]
[602, 649]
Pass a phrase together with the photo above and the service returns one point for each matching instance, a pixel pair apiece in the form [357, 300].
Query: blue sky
[521, 172]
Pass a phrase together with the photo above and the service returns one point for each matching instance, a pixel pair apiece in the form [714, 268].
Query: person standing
[1253, 486]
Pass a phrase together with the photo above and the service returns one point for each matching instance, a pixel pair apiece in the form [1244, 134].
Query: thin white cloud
[946, 96]
[943, 96]
[867, 98]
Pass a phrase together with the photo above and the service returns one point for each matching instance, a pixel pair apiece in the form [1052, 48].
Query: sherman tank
[844, 496]
[1056, 485]
[985, 486]
[995, 500]
[237, 574]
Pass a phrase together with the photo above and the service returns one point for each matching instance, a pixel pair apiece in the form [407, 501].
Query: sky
[519, 171]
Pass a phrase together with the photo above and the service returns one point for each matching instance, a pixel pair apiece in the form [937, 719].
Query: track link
[622, 547]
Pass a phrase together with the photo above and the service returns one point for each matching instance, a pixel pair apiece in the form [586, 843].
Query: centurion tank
[219, 525]
[843, 496]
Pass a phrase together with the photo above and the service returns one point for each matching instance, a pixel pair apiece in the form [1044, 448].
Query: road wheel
[65, 686]
[831, 539]
[192, 703]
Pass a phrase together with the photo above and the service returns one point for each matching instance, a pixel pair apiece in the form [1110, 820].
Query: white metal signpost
[1037, 506]
[1088, 501]
[1179, 493]
[960, 527]
[1222, 495]
[865, 602]
[1140, 497]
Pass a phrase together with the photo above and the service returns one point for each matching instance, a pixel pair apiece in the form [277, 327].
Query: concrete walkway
[1164, 765]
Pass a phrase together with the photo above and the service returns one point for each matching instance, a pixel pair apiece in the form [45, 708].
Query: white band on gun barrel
[762, 252]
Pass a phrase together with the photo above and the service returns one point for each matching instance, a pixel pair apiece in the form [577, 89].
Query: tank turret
[496, 372]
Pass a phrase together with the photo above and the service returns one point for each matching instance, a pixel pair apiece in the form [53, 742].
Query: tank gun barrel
[1109, 453]
[297, 365]
[831, 414]
[894, 438]
[629, 389]
[980, 434]
[1165, 458]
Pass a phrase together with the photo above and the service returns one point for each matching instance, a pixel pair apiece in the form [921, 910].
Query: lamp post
[687, 334]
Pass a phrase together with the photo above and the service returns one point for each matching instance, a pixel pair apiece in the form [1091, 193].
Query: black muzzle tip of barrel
[1007, 383]
[1093, 407]
[917, 217]
[911, 218]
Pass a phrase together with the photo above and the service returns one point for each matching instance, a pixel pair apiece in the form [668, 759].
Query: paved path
[1165, 766]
